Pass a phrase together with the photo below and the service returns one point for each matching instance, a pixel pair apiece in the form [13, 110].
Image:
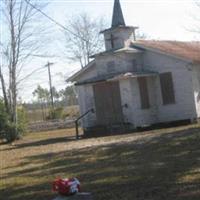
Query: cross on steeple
[118, 18]
[112, 39]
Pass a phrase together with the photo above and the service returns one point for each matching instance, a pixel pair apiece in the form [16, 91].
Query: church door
[108, 103]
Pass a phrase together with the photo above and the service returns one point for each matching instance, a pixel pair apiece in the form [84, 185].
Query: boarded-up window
[111, 67]
[134, 64]
[167, 88]
[144, 94]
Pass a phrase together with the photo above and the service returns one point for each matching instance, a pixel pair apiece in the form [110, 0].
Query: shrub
[22, 122]
[3, 119]
[9, 130]
[72, 112]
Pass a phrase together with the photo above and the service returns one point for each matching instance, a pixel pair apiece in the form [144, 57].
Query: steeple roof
[118, 18]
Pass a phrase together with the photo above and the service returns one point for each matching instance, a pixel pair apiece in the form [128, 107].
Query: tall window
[144, 94]
[167, 88]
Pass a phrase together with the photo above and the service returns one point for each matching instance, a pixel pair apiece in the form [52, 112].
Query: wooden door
[108, 103]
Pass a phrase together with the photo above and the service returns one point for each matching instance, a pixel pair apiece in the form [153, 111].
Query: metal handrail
[80, 117]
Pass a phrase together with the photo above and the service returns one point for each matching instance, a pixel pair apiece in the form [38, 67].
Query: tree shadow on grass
[163, 167]
[42, 142]
[34, 192]
[46, 142]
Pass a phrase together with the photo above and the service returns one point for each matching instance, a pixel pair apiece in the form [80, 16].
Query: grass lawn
[162, 164]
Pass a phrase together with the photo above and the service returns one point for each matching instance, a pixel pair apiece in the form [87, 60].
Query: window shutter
[144, 94]
[167, 88]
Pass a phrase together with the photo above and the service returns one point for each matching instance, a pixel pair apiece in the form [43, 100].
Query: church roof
[184, 50]
[118, 18]
[113, 51]
[85, 69]
[116, 76]
[188, 51]
[112, 29]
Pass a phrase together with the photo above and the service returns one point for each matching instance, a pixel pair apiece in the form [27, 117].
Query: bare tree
[84, 39]
[20, 39]
[194, 25]
[141, 35]
[196, 17]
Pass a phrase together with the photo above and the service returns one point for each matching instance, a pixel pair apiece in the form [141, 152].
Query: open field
[40, 115]
[151, 165]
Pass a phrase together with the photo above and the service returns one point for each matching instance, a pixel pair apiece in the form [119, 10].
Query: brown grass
[37, 114]
[152, 165]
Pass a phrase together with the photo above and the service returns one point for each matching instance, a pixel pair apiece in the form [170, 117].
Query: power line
[63, 27]
[30, 74]
[54, 21]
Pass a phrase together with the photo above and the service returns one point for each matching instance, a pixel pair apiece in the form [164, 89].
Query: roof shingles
[186, 50]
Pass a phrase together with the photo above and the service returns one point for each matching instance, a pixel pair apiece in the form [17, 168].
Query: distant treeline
[62, 98]
[64, 104]
[39, 105]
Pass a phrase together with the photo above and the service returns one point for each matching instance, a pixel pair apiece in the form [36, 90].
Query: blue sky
[159, 19]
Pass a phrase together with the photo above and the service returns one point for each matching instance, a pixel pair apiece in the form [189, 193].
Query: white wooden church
[138, 83]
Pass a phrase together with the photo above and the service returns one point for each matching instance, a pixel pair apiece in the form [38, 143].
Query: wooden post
[77, 133]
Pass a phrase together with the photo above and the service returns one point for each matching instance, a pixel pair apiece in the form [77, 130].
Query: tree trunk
[4, 92]
[13, 87]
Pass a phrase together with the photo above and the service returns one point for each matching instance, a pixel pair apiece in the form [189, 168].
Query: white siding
[122, 38]
[123, 63]
[130, 95]
[127, 98]
[196, 87]
[184, 108]
[92, 72]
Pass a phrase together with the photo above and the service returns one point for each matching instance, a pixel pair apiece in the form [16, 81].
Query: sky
[158, 19]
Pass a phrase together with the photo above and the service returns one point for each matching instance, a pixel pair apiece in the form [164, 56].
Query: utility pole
[50, 83]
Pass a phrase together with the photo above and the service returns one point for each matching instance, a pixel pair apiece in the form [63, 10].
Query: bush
[72, 112]
[22, 122]
[11, 132]
[56, 113]
[3, 119]
[8, 130]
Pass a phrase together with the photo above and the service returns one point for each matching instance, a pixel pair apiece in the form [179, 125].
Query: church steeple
[117, 18]
[119, 35]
